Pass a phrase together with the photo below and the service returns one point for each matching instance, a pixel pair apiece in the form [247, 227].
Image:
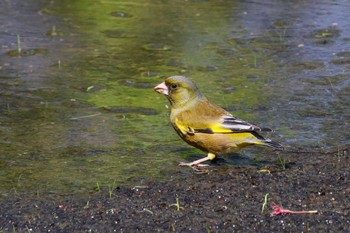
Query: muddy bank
[227, 199]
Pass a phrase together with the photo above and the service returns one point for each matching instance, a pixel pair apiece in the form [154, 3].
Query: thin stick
[277, 210]
[19, 44]
[87, 116]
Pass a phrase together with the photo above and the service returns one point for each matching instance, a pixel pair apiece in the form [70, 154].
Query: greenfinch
[205, 125]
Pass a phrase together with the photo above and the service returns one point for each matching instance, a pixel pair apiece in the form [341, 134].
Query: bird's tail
[268, 142]
[273, 144]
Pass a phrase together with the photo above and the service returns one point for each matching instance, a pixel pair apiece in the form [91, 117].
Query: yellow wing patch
[209, 128]
[218, 128]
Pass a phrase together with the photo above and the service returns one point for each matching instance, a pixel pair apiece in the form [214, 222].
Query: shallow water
[78, 109]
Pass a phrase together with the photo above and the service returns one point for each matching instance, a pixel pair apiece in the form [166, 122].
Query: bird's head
[179, 90]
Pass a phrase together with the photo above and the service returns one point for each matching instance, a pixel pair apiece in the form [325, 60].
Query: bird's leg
[198, 163]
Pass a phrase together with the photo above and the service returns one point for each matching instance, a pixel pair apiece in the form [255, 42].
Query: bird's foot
[193, 164]
[198, 164]
[197, 167]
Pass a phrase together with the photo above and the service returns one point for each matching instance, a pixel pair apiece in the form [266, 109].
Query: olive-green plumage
[205, 125]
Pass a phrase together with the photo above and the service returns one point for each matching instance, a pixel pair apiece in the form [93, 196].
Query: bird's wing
[206, 117]
[226, 124]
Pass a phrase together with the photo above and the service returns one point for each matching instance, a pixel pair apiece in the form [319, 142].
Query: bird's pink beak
[162, 89]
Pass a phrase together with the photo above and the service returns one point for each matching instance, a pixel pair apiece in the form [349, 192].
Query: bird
[205, 125]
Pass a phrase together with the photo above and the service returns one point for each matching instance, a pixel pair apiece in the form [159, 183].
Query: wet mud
[226, 199]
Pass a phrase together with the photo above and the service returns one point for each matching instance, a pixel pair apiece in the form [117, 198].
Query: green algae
[98, 120]
[26, 52]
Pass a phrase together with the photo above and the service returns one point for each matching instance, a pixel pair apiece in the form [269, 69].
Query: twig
[147, 211]
[87, 116]
[19, 49]
[264, 171]
[277, 210]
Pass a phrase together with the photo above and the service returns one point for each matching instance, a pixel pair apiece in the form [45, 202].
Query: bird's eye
[173, 86]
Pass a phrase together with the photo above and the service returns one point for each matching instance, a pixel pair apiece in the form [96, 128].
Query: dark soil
[227, 199]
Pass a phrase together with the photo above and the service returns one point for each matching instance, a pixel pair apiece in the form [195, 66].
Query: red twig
[277, 210]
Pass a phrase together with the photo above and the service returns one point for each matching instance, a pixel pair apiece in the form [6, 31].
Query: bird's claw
[183, 164]
[197, 167]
